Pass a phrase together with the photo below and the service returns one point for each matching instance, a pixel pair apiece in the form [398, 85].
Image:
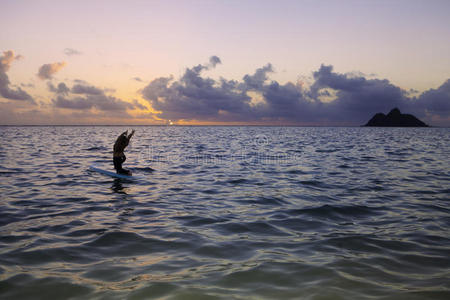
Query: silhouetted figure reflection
[118, 156]
[118, 187]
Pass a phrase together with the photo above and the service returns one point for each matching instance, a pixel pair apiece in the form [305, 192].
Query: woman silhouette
[118, 156]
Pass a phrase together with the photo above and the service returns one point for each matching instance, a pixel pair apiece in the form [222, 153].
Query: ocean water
[226, 213]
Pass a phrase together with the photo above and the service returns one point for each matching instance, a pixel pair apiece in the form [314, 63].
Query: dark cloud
[435, 101]
[332, 98]
[46, 71]
[257, 80]
[356, 97]
[100, 102]
[78, 103]
[86, 89]
[71, 51]
[195, 97]
[5, 90]
[288, 103]
[85, 97]
[137, 79]
[60, 89]
[214, 60]
[80, 81]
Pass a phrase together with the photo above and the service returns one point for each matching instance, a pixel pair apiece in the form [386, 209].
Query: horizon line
[205, 125]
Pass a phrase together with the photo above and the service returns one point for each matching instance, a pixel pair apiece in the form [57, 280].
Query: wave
[338, 212]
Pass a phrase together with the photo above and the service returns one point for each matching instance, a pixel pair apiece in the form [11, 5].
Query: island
[395, 119]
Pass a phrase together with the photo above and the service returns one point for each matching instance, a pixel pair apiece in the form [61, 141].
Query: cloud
[257, 80]
[85, 97]
[29, 85]
[5, 90]
[86, 89]
[356, 97]
[137, 79]
[22, 113]
[6, 59]
[195, 97]
[80, 81]
[139, 105]
[332, 98]
[213, 61]
[100, 102]
[328, 98]
[46, 71]
[71, 52]
[78, 103]
[435, 101]
[60, 89]
[17, 112]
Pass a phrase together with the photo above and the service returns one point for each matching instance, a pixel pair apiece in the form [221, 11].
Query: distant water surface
[227, 213]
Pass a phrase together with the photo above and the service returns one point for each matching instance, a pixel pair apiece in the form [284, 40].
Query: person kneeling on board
[118, 156]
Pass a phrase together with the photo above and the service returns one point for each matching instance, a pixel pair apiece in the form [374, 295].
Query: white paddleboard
[112, 174]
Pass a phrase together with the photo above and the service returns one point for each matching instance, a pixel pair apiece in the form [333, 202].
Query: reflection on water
[118, 187]
[226, 212]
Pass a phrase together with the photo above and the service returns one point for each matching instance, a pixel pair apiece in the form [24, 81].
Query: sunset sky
[223, 62]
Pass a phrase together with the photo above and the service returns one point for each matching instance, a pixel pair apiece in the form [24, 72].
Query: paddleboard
[112, 174]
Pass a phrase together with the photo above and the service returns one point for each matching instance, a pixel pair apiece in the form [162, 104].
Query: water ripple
[226, 213]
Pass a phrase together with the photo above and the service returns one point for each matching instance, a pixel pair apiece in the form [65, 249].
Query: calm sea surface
[227, 213]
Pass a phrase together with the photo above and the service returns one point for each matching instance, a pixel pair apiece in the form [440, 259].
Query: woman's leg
[125, 171]
[118, 161]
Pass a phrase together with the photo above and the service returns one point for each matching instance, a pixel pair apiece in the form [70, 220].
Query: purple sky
[111, 62]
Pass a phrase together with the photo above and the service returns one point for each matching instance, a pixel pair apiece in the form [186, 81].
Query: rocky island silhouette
[395, 119]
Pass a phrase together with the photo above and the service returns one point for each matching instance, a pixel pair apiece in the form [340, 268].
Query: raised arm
[131, 134]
